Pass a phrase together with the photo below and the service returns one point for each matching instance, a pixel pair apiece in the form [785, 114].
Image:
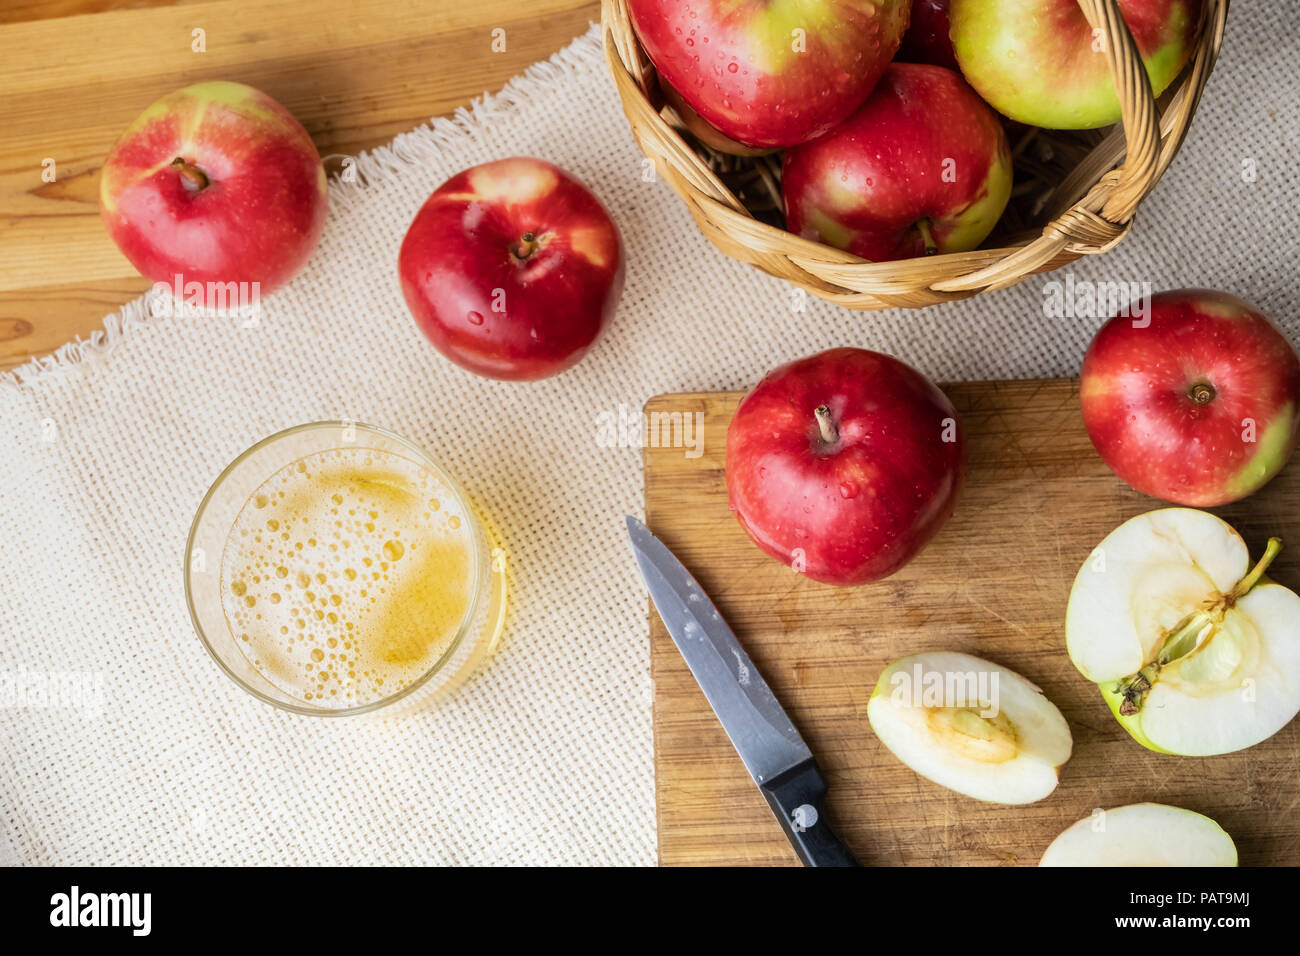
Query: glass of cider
[335, 568]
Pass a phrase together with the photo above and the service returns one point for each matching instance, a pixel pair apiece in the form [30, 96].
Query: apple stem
[1250, 580]
[528, 244]
[1201, 393]
[826, 424]
[192, 177]
[927, 236]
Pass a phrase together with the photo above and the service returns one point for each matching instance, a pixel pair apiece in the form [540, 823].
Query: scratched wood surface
[994, 583]
[74, 73]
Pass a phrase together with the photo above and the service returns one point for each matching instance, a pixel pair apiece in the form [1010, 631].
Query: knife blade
[778, 760]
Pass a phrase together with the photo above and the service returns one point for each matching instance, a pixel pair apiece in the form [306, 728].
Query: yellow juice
[347, 575]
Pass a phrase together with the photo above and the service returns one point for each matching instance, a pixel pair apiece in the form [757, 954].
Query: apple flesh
[999, 740]
[1143, 834]
[926, 39]
[1038, 62]
[1198, 407]
[844, 465]
[512, 269]
[770, 73]
[214, 184]
[1194, 650]
[922, 168]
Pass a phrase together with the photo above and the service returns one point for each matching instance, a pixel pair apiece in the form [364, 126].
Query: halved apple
[1143, 834]
[1195, 651]
[971, 726]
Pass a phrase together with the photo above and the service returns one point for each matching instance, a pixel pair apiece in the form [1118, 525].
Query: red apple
[512, 269]
[844, 465]
[214, 184]
[926, 39]
[1198, 407]
[923, 167]
[770, 73]
[1041, 63]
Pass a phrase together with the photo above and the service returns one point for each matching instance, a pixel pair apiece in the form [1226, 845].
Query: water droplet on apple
[732, 67]
[848, 489]
[475, 318]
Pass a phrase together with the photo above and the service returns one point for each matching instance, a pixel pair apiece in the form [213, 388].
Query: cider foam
[347, 575]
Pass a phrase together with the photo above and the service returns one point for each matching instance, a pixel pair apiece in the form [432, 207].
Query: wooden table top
[74, 73]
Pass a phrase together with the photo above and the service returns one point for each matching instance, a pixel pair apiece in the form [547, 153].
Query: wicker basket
[1076, 192]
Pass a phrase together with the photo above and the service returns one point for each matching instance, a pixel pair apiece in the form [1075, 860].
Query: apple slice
[1195, 652]
[1143, 834]
[971, 726]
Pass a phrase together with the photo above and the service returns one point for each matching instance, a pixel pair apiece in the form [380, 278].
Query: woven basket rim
[1090, 211]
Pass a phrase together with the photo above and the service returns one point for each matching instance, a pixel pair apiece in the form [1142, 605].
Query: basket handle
[1140, 116]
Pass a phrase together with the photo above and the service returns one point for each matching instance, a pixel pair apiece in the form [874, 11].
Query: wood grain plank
[994, 583]
[355, 72]
[22, 11]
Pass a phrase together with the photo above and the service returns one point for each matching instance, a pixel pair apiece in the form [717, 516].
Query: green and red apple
[1194, 650]
[1040, 62]
[971, 726]
[1143, 834]
[213, 184]
[923, 167]
[843, 465]
[1194, 402]
[770, 73]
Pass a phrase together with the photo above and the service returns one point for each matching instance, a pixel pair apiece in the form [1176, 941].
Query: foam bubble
[320, 628]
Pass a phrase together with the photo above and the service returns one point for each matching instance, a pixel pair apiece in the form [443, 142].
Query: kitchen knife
[773, 752]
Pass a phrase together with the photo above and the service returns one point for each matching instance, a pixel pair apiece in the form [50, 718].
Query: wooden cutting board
[993, 583]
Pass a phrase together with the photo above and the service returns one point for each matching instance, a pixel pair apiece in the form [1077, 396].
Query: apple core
[1194, 634]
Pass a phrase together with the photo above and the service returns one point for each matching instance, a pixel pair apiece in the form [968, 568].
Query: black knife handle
[798, 798]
